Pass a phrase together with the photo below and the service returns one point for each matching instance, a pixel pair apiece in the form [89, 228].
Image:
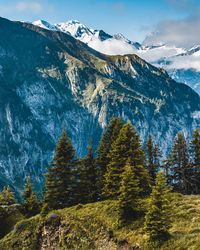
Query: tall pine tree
[108, 138]
[180, 164]
[126, 146]
[58, 185]
[195, 148]
[87, 185]
[157, 220]
[195, 162]
[153, 158]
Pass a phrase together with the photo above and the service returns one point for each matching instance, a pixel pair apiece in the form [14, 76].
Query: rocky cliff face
[50, 81]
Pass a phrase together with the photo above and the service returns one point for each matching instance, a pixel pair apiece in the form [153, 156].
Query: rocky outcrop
[50, 234]
[53, 235]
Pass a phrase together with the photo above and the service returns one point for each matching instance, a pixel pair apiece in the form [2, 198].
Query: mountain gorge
[49, 80]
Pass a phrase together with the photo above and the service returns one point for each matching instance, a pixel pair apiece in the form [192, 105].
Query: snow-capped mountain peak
[102, 35]
[75, 28]
[96, 39]
[45, 25]
[195, 50]
[120, 36]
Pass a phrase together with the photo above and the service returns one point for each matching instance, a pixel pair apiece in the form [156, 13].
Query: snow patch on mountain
[76, 29]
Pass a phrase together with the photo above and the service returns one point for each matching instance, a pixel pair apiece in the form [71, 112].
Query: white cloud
[29, 6]
[111, 47]
[181, 33]
[154, 54]
[188, 62]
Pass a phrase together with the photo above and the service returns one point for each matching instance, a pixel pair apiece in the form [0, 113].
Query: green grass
[95, 226]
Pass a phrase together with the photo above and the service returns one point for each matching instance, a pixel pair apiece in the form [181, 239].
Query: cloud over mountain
[182, 33]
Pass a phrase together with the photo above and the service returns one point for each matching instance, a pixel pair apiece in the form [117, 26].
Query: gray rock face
[50, 81]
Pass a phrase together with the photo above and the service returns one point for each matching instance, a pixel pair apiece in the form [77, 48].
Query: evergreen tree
[166, 167]
[126, 146]
[87, 186]
[129, 192]
[108, 138]
[137, 157]
[58, 186]
[153, 155]
[157, 219]
[195, 165]
[180, 168]
[31, 203]
[150, 150]
[195, 147]
[7, 197]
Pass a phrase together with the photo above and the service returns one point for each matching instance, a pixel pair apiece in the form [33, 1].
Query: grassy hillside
[95, 226]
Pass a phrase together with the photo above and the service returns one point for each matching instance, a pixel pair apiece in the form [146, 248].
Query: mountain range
[182, 64]
[50, 80]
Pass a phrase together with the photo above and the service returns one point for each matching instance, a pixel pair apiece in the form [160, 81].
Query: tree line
[122, 169]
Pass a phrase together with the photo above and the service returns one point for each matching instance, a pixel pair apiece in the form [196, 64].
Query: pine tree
[195, 165]
[195, 147]
[150, 158]
[180, 168]
[108, 138]
[31, 203]
[118, 156]
[153, 155]
[166, 167]
[87, 188]
[7, 197]
[59, 177]
[126, 146]
[129, 192]
[157, 155]
[137, 157]
[157, 219]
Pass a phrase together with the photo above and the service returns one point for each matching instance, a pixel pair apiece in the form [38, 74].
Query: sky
[172, 20]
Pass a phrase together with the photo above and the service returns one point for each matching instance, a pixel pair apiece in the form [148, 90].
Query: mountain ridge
[186, 69]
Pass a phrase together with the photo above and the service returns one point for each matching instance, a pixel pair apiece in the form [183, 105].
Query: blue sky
[133, 18]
